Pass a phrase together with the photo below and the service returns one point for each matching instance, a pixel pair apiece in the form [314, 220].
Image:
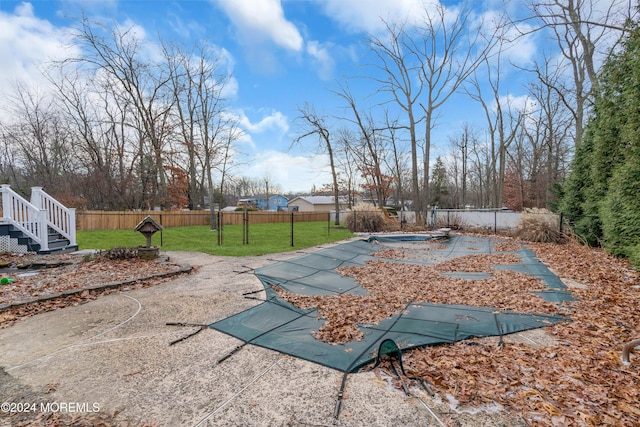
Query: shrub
[450, 220]
[365, 219]
[539, 225]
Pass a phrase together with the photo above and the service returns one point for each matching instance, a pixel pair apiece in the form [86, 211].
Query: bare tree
[425, 65]
[315, 124]
[480, 171]
[116, 55]
[186, 111]
[122, 149]
[547, 131]
[245, 186]
[586, 31]
[125, 123]
[400, 69]
[207, 132]
[89, 112]
[396, 161]
[40, 141]
[227, 150]
[502, 119]
[516, 180]
[347, 162]
[368, 146]
[460, 144]
[450, 50]
[9, 170]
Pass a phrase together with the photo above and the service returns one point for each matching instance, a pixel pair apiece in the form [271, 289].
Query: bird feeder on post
[148, 227]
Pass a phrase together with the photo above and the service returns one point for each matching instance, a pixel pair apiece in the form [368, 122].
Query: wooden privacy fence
[112, 220]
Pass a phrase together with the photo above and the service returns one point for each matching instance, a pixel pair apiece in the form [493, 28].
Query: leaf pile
[391, 286]
[417, 250]
[407, 254]
[579, 380]
[506, 245]
[393, 254]
[477, 263]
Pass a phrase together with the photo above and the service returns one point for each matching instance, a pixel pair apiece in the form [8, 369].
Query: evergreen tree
[621, 212]
[604, 185]
[578, 185]
[620, 206]
[439, 185]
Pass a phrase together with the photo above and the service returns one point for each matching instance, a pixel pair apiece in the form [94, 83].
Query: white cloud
[266, 131]
[523, 46]
[231, 88]
[274, 122]
[184, 29]
[513, 103]
[517, 43]
[224, 63]
[26, 43]
[291, 173]
[368, 15]
[322, 59]
[256, 20]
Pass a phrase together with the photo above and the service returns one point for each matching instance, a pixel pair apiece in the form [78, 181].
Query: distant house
[315, 203]
[276, 202]
[248, 202]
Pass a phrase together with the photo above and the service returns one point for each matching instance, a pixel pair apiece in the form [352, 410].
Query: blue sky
[281, 53]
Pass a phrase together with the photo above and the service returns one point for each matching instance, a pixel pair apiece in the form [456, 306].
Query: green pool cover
[283, 327]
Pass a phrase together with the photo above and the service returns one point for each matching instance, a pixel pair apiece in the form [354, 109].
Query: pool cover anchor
[248, 270]
[200, 327]
[231, 353]
[247, 295]
[408, 393]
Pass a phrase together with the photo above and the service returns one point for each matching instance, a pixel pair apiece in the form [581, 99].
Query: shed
[315, 203]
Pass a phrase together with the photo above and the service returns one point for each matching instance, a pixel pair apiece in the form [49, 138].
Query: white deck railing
[59, 217]
[36, 217]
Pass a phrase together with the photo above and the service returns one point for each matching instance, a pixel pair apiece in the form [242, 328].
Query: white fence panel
[485, 218]
[499, 220]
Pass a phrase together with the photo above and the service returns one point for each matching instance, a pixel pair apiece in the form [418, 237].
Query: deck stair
[42, 225]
